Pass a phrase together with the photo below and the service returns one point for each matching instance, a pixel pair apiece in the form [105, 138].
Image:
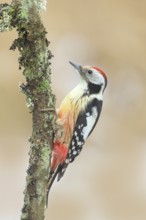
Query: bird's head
[92, 75]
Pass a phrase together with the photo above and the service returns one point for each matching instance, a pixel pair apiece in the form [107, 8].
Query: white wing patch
[91, 118]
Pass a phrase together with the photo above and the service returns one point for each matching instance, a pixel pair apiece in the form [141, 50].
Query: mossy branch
[24, 15]
[5, 17]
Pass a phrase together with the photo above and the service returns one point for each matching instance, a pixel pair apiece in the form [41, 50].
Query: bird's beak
[77, 67]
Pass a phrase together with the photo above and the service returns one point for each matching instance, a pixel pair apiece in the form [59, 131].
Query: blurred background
[108, 180]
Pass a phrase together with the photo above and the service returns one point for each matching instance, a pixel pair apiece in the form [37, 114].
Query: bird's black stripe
[94, 88]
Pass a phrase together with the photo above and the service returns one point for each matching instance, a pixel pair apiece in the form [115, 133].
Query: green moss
[5, 17]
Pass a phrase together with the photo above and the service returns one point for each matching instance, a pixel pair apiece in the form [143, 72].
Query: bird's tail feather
[50, 182]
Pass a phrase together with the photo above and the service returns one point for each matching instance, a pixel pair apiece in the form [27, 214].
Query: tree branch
[34, 59]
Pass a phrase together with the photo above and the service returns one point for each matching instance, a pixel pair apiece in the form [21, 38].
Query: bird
[77, 116]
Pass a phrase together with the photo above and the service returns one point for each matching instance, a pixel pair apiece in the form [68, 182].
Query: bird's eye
[90, 71]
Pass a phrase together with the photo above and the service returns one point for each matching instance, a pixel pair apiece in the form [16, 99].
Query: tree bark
[24, 15]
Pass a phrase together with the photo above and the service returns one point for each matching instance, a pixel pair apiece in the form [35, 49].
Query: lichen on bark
[34, 60]
[5, 17]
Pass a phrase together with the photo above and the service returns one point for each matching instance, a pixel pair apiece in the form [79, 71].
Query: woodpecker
[76, 119]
